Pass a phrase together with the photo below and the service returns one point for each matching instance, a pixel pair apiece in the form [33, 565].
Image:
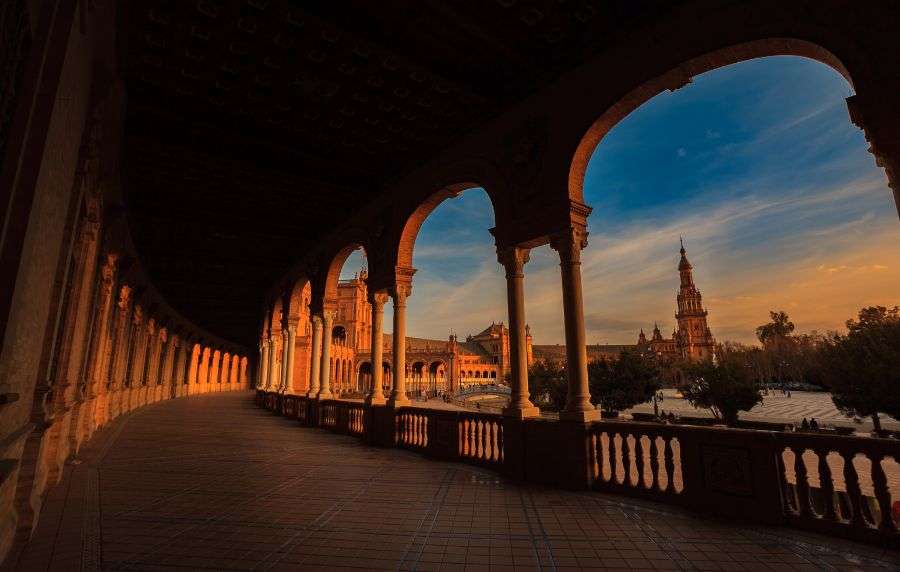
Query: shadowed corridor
[213, 482]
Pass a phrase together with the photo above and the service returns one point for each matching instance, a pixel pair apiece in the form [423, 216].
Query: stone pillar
[876, 114]
[290, 342]
[578, 401]
[274, 378]
[215, 370]
[178, 360]
[316, 355]
[263, 373]
[98, 367]
[376, 393]
[285, 350]
[325, 371]
[513, 260]
[69, 386]
[398, 392]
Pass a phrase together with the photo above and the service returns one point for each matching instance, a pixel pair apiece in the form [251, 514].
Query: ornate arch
[677, 77]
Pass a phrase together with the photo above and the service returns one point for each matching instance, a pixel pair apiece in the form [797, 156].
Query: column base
[312, 393]
[375, 400]
[398, 401]
[580, 416]
[522, 412]
[324, 395]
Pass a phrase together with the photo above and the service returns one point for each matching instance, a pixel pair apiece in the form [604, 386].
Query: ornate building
[431, 364]
[692, 338]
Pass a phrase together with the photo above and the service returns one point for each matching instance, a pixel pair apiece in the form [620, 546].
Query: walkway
[213, 482]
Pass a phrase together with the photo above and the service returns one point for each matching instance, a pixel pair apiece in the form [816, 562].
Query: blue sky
[759, 168]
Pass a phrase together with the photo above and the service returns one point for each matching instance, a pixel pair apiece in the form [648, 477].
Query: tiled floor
[215, 483]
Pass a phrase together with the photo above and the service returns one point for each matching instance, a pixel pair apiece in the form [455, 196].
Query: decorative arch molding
[325, 282]
[300, 295]
[679, 76]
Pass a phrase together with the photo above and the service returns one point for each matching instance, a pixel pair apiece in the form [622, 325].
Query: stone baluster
[882, 495]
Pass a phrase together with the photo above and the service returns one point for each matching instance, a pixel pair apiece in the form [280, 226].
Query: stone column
[274, 378]
[513, 260]
[263, 373]
[578, 401]
[285, 342]
[876, 114]
[325, 371]
[69, 386]
[290, 341]
[398, 392]
[376, 393]
[316, 355]
[98, 367]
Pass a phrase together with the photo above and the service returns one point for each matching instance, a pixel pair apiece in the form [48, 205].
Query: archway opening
[346, 299]
[781, 209]
[458, 307]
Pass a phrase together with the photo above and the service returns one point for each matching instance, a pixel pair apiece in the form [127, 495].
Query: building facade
[432, 365]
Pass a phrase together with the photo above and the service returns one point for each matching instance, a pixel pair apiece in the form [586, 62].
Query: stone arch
[300, 297]
[414, 220]
[324, 291]
[678, 77]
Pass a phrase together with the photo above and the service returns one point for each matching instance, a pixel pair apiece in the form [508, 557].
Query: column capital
[378, 300]
[513, 259]
[138, 316]
[163, 334]
[124, 296]
[108, 272]
[151, 326]
[400, 292]
[569, 243]
[316, 320]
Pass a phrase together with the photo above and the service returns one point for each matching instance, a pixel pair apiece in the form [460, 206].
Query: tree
[862, 368]
[781, 326]
[628, 381]
[725, 386]
[778, 343]
[548, 384]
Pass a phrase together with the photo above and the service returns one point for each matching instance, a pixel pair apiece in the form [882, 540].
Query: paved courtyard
[778, 408]
[214, 483]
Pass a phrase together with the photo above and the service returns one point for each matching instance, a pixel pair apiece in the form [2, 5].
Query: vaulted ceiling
[254, 126]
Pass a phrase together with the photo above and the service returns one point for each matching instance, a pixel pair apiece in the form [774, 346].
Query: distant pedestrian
[813, 424]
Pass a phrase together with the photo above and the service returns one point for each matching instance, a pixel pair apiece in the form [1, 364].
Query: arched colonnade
[534, 179]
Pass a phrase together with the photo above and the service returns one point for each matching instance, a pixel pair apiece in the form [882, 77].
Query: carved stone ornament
[569, 243]
[513, 259]
[378, 300]
[108, 272]
[124, 296]
[138, 316]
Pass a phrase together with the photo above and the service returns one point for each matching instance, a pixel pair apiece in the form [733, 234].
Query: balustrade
[828, 483]
[838, 481]
[635, 457]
